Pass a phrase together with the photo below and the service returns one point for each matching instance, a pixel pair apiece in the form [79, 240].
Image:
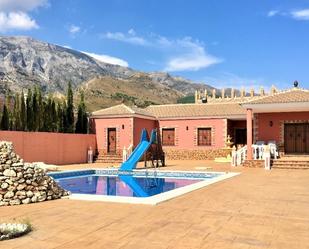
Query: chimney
[262, 92]
[232, 93]
[222, 93]
[242, 92]
[252, 93]
[195, 96]
[273, 90]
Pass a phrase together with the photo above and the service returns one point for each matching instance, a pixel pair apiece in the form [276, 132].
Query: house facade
[201, 130]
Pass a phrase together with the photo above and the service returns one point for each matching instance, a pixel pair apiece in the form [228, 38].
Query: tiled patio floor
[257, 209]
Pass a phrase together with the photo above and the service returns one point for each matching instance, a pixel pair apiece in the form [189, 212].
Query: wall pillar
[249, 134]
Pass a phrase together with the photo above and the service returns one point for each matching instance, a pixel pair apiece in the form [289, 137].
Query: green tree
[69, 127]
[16, 114]
[29, 111]
[82, 121]
[60, 116]
[35, 110]
[23, 116]
[5, 122]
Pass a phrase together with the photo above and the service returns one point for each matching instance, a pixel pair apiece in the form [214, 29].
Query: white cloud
[193, 58]
[273, 13]
[129, 37]
[21, 5]
[108, 59]
[301, 14]
[183, 54]
[16, 21]
[73, 29]
[14, 14]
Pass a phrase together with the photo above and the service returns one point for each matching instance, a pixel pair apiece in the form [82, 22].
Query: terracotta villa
[200, 130]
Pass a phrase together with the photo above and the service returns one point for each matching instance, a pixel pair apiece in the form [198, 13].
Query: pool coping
[156, 199]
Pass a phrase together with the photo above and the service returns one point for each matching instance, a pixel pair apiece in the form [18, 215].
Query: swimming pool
[137, 186]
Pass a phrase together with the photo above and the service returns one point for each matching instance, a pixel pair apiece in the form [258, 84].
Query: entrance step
[291, 163]
[108, 158]
[253, 163]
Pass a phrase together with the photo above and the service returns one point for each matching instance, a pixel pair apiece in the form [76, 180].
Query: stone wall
[209, 154]
[23, 183]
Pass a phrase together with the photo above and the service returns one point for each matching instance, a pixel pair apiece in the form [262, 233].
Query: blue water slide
[139, 151]
[133, 184]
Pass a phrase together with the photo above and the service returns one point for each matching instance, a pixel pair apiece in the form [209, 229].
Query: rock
[9, 195]
[9, 172]
[34, 199]
[23, 183]
[21, 186]
[4, 185]
[4, 203]
[26, 201]
[19, 174]
[15, 202]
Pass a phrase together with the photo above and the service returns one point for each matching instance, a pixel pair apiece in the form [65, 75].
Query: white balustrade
[259, 151]
[126, 152]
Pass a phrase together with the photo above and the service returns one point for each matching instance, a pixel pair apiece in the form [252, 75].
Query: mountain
[26, 62]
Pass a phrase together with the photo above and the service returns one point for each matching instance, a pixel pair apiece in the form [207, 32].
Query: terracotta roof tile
[196, 110]
[290, 96]
[121, 109]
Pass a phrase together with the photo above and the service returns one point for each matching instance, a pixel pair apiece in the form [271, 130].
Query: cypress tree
[81, 123]
[60, 114]
[23, 117]
[69, 111]
[9, 112]
[29, 111]
[64, 116]
[16, 114]
[53, 116]
[5, 122]
[35, 110]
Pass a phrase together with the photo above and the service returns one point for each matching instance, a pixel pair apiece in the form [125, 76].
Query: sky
[223, 43]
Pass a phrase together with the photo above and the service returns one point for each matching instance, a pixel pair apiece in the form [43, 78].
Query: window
[204, 136]
[168, 136]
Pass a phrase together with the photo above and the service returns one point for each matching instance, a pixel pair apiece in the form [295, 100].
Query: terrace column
[249, 134]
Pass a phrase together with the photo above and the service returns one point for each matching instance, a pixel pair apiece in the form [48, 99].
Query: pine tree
[69, 111]
[82, 122]
[5, 122]
[29, 111]
[23, 117]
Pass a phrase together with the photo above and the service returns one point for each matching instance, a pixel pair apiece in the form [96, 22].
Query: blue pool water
[122, 185]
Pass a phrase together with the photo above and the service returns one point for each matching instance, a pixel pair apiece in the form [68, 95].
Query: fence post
[124, 154]
[234, 156]
[90, 155]
[267, 157]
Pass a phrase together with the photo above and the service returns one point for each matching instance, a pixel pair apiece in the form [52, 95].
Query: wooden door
[111, 140]
[296, 138]
[168, 137]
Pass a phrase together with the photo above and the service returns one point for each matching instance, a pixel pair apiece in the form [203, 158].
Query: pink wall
[139, 124]
[53, 148]
[187, 139]
[124, 132]
[266, 132]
